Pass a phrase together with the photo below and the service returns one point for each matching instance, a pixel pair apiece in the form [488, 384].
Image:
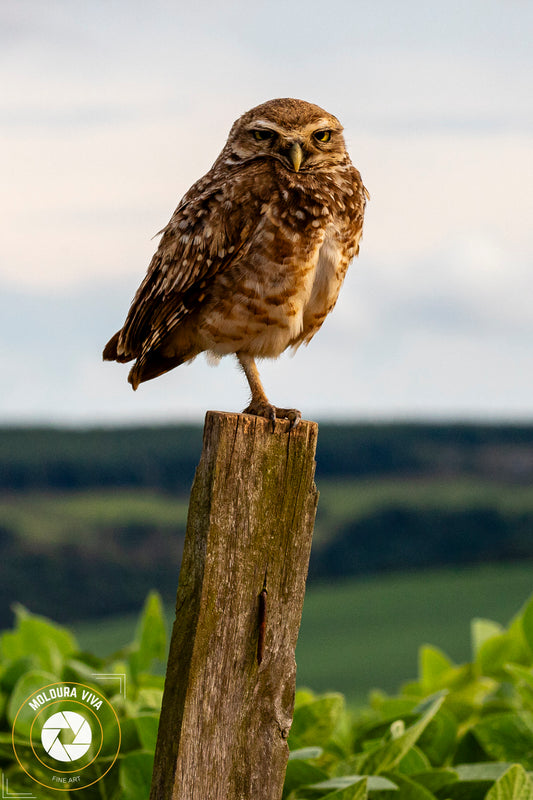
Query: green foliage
[514, 784]
[38, 652]
[150, 643]
[359, 634]
[458, 732]
[47, 646]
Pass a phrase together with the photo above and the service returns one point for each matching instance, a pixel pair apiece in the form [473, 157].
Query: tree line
[165, 457]
[106, 569]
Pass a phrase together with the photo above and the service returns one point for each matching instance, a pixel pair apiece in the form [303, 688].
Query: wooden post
[229, 689]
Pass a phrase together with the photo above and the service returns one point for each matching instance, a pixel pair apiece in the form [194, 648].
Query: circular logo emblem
[73, 734]
[70, 721]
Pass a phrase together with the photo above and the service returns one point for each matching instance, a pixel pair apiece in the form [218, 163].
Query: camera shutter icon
[70, 721]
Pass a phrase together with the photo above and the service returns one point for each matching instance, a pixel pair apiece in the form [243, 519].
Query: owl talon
[295, 421]
[273, 413]
[292, 414]
[265, 410]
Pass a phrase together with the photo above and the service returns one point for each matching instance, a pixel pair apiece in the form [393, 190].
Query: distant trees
[105, 571]
[165, 457]
[412, 538]
[102, 568]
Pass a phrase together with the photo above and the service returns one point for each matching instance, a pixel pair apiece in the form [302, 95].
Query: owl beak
[296, 155]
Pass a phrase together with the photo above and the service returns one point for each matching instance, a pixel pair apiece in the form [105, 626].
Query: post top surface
[281, 426]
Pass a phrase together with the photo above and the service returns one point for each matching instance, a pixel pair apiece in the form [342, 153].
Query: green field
[110, 546]
[54, 516]
[357, 633]
[345, 500]
[364, 634]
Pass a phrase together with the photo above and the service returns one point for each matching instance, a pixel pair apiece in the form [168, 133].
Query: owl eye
[261, 134]
[322, 136]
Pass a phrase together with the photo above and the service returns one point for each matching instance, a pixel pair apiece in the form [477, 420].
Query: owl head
[300, 135]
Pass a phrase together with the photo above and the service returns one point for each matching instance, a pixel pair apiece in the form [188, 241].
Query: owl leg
[260, 405]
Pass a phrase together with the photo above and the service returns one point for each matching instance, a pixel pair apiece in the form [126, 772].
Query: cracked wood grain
[226, 713]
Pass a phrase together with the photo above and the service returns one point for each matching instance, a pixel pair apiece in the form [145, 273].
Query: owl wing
[205, 234]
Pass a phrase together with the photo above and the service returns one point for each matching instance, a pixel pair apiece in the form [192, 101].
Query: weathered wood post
[229, 689]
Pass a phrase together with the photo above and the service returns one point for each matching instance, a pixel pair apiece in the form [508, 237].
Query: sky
[110, 110]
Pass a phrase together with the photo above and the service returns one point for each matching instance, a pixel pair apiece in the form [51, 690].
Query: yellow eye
[322, 136]
[262, 134]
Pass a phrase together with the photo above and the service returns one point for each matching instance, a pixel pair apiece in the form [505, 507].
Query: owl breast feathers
[255, 254]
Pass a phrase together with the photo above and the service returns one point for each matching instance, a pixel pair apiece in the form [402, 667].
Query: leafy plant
[459, 732]
[38, 652]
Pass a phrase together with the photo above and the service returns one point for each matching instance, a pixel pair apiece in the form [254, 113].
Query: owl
[253, 259]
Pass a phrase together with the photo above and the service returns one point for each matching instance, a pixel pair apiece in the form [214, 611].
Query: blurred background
[109, 112]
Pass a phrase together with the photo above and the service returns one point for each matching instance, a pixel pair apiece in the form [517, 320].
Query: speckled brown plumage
[254, 256]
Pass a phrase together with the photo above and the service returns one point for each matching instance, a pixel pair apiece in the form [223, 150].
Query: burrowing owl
[254, 256]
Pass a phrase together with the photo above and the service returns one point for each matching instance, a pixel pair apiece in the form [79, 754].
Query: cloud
[110, 112]
[472, 283]
[449, 333]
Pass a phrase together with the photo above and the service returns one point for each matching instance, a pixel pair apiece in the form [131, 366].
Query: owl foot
[260, 406]
[261, 409]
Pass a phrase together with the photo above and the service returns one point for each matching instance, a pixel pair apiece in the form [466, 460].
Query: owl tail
[111, 352]
[152, 364]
